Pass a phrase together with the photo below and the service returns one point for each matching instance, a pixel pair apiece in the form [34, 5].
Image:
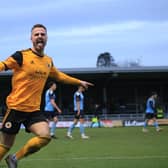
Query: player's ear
[31, 37]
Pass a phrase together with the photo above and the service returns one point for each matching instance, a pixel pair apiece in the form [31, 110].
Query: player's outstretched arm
[64, 78]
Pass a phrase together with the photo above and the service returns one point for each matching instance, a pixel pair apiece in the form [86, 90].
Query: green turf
[125, 147]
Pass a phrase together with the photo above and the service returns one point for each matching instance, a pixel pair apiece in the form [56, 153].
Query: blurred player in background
[51, 109]
[79, 113]
[31, 69]
[151, 112]
[96, 118]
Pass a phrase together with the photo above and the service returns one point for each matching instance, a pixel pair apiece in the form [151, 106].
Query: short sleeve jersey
[78, 96]
[48, 96]
[150, 105]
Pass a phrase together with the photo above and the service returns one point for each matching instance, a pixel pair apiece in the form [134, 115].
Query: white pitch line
[101, 158]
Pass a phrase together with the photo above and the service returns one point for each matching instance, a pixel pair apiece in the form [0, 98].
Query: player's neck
[51, 89]
[39, 53]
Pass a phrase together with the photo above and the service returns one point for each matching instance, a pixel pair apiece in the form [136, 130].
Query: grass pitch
[126, 147]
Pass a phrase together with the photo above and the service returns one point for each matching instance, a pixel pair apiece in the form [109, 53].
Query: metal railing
[138, 116]
[106, 117]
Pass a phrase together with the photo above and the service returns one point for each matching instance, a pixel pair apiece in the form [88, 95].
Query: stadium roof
[104, 73]
[116, 69]
[99, 72]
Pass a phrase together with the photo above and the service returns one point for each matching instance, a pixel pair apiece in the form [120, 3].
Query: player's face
[54, 86]
[39, 39]
[82, 89]
[155, 96]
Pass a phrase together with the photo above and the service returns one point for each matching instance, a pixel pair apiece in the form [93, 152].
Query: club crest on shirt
[49, 65]
[8, 125]
[31, 62]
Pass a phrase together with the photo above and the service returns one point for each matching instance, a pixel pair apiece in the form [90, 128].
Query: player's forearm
[53, 104]
[57, 108]
[69, 80]
[64, 78]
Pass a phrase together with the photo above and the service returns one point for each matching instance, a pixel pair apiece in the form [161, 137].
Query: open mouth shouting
[39, 44]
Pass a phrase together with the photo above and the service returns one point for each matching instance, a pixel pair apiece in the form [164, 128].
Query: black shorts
[150, 115]
[79, 116]
[50, 114]
[13, 120]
